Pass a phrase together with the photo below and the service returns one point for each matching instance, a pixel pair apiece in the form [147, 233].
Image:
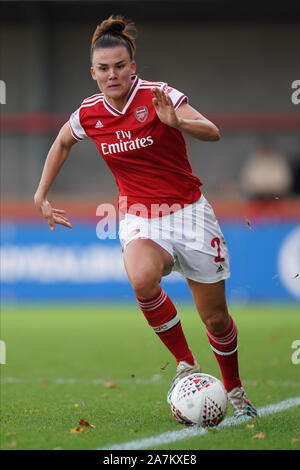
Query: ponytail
[113, 32]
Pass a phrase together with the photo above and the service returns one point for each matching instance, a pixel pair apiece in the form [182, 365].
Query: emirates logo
[141, 113]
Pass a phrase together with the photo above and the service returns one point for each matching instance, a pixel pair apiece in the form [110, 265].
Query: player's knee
[145, 284]
[217, 321]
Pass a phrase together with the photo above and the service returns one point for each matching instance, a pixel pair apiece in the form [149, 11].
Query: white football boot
[242, 406]
[183, 370]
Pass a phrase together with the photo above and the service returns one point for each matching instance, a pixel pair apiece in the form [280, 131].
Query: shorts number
[214, 242]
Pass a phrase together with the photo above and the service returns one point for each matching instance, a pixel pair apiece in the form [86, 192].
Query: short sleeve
[176, 96]
[76, 128]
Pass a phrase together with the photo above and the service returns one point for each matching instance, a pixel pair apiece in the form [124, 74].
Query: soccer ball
[199, 399]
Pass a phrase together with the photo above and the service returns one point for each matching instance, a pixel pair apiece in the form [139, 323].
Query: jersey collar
[132, 92]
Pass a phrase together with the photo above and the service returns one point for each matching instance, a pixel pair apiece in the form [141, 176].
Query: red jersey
[147, 157]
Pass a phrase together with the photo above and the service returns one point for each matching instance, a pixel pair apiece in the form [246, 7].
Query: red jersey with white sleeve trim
[147, 157]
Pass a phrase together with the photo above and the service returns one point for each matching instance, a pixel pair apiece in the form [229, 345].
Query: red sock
[224, 346]
[162, 316]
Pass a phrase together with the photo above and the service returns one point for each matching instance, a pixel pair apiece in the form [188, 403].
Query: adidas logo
[220, 268]
[98, 124]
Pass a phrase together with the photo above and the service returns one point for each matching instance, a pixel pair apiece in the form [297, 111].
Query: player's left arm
[185, 118]
[195, 124]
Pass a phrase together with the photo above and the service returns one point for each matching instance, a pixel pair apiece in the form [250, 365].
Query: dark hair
[113, 32]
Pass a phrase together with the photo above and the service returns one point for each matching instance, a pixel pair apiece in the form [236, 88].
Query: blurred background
[240, 67]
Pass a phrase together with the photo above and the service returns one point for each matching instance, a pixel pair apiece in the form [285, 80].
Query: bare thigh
[145, 263]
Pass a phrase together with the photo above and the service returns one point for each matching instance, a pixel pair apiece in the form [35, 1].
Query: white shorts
[191, 235]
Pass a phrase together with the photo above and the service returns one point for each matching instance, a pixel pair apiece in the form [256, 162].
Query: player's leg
[211, 305]
[210, 301]
[145, 263]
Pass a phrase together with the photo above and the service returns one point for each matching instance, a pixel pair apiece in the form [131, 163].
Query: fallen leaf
[82, 422]
[76, 430]
[12, 444]
[250, 426]
[43, 383]
[81, 403]
[165, 366]
[109, 384]
[260, 435]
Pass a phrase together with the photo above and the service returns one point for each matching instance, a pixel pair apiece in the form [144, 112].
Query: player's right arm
[56, 157]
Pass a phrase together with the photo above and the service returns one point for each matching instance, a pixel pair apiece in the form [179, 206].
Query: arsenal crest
[141, 113]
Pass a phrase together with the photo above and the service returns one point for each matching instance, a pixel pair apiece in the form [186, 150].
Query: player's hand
[164, 108]
[52, 215]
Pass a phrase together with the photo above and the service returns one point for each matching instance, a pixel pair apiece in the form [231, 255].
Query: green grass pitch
[103, 364]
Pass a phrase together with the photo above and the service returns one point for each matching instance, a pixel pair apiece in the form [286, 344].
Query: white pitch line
[172, 436]
[155, 379]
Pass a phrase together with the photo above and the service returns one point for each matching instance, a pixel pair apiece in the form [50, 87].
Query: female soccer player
[168, 225]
